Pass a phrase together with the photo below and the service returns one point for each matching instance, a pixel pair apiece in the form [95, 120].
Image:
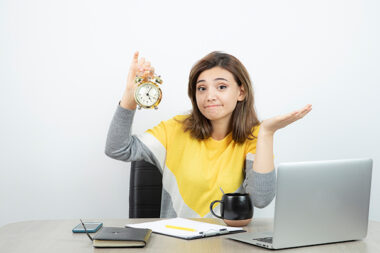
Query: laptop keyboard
[266, 239]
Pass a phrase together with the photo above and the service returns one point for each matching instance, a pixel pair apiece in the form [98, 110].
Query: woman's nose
[210, 95]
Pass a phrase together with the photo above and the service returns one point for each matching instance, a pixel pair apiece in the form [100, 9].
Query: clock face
[147, 94]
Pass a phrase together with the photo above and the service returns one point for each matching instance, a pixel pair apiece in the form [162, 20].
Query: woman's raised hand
[138, 67]
[270, 126]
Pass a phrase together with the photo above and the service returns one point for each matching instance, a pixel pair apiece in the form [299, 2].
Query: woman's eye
[222, 87]
[201, 88]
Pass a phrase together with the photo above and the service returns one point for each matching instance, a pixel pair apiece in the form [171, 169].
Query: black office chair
[145, 189]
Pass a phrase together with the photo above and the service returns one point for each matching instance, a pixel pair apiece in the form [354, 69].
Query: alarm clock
[148, 94]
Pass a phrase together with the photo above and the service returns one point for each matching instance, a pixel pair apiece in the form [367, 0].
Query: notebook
[121, 237]
[186, 229]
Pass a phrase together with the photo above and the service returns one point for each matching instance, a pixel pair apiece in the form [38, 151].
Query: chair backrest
[145, 189]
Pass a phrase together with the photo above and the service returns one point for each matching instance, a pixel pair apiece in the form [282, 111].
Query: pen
[180, 228]
[213, 232]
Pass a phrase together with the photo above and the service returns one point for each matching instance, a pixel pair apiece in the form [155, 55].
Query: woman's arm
[121, 144]
[264, 147]
[260, 177]
[264, 153]
[260, 186]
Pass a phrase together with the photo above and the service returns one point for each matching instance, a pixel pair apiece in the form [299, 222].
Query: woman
[220, 144]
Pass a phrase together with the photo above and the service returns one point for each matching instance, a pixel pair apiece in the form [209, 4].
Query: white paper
[205, 228]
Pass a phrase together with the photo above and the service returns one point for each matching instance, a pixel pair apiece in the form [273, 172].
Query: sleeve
[123, 146]
[156, 140]
[261, 186]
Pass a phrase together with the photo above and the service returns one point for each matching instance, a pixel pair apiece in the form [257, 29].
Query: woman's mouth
[211, 106]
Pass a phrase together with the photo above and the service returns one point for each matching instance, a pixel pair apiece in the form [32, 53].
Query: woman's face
[217, 94]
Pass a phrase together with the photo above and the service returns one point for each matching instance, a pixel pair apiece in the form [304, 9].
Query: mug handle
[212, 206]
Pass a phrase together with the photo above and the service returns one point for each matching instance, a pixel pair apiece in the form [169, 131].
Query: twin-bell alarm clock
[147, 94]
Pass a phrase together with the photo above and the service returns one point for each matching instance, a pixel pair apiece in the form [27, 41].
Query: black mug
[235, 209]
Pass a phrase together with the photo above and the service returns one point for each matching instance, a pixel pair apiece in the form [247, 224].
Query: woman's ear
[241, 93]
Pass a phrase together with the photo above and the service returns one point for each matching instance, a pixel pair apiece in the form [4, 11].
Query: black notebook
[121, 237]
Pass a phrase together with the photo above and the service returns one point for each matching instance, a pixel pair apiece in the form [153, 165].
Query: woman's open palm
[271, 125]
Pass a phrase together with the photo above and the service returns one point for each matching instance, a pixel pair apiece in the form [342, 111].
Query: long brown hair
[244, 117]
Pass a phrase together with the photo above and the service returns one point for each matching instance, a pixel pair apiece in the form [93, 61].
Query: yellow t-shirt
[194, 170]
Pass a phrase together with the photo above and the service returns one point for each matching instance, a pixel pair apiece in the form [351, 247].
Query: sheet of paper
[183, 228]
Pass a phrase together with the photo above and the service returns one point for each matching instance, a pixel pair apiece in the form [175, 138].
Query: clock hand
[147, 92]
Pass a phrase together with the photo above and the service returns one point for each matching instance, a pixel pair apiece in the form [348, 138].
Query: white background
[63, 67]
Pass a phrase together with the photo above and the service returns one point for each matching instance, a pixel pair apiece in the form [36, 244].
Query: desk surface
[56, 236]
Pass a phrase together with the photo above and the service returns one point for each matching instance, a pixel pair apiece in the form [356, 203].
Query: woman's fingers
[278, 122]
[307, 108]
[304, 111]
[141, 67]
[133, 67]
[288, 116]
[141, 61]
[135, 58]
[134, 62]
[296, 115]
[146, 70]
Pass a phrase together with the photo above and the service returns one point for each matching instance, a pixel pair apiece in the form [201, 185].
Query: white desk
[56, 236]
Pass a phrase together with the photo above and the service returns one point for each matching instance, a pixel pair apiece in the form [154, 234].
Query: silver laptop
[316, 203]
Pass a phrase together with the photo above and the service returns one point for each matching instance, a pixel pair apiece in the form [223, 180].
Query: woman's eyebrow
[216, 79]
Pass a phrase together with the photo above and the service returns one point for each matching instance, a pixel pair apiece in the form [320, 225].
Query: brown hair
[244, 117]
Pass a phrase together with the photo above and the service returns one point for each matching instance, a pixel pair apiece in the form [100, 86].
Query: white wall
[63, 67]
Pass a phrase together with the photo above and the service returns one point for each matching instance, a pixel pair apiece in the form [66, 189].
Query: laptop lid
[321, 202]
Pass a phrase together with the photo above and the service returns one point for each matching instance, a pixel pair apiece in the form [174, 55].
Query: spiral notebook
[186, 229]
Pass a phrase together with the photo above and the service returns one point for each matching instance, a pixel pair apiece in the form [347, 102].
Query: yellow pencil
[181, 228]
